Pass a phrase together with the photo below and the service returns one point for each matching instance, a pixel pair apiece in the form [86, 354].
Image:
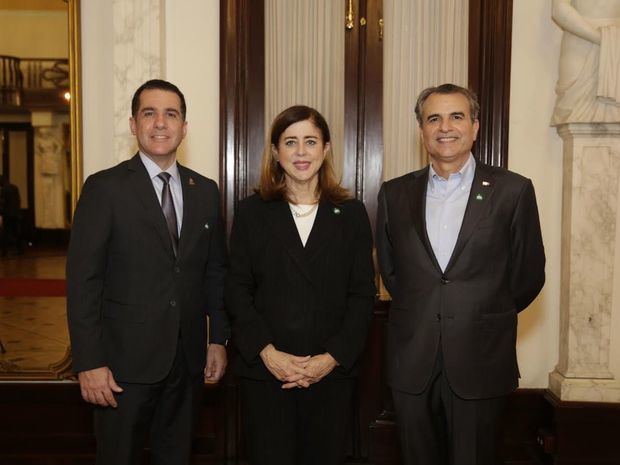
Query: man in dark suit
[461, 253]
[146, 263]
[10, 204]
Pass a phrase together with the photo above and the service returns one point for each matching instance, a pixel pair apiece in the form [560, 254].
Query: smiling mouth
[302, 165]
[442, 140]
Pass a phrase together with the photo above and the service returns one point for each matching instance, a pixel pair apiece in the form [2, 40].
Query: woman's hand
[317, 368]
[285, 367]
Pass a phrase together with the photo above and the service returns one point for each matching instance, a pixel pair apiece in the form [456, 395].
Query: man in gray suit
[460, 251]
[145, 266]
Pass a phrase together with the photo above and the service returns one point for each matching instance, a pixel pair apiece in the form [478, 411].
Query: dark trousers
[296, 426]
[10, 236]
[437, 427]
[166, 411]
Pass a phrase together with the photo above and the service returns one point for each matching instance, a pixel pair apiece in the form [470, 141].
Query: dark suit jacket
[496, 270]
[304, 300]
[128, 298]
[10, 201]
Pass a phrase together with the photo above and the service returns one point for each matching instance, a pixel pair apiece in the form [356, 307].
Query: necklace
[298, 214]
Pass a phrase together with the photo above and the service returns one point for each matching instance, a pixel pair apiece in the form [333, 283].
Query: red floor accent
[28, 287]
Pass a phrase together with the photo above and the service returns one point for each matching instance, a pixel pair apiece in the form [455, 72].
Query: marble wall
[138, 56]
[177, 41]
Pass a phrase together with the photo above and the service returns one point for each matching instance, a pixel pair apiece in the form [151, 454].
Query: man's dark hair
[474, 106]
[161, 85]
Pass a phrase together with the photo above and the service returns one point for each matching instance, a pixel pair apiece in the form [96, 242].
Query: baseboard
[49, 424]
[582, 433]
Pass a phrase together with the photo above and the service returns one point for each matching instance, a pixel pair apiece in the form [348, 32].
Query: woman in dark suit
[300, 291]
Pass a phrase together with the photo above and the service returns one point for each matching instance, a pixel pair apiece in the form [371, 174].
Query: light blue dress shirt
[175, 186]
[446, 200]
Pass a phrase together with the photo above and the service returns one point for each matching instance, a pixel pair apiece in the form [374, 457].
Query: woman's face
[301, 152]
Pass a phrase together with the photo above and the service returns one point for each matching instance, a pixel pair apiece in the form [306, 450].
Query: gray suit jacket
[496, 270]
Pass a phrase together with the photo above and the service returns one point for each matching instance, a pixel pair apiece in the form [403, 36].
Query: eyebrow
[304, 137]
[454, 113]
[142, 110]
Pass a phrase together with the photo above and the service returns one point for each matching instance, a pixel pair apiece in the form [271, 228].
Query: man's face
[158, 125]
[447, 130]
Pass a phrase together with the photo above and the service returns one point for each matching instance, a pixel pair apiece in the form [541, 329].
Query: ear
[326, 149]
[184, 128]
[476, 127]
[274, 153]
[132, 125]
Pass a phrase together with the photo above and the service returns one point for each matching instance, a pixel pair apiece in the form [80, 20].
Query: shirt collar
[154, 170]
[464, 173]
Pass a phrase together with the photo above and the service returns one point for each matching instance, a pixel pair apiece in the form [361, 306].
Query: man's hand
[284, 366]
[317, 368]
[216, 362]
[97, 386]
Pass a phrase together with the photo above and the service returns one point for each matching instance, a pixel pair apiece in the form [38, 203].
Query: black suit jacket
[304, 300]
[496, 270]
[128, 298]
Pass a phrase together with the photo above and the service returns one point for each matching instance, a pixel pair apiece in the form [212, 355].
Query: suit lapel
[283, 226]
[417, 205]
[142, 185]
[326, 227]
[478, 203]
[190, 207]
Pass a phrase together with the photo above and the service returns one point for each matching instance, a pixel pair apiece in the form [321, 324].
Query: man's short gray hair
[474, 106]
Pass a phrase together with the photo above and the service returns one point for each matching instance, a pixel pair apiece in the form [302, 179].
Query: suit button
[445, 281]
[439, 317]
[173, 303]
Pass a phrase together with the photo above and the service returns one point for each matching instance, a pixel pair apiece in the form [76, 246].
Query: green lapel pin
[336, 211]
[479, 197]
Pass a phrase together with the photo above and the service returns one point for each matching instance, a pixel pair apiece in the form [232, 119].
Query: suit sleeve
[385, 250]
[347, 344]
[527, 274]
[215, 272]
[86, 264]
[250, 331]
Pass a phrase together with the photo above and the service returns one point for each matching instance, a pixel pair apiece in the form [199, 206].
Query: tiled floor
[33, 330]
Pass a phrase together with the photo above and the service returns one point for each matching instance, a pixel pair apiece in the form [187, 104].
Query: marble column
[589, 236]
[138, 57]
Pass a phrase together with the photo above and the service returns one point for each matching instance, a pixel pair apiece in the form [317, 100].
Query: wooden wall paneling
[381, 442]
[351, 102]
[582, 433]
[242, 96]
[490, 41]
[363, 147]
[49, 424]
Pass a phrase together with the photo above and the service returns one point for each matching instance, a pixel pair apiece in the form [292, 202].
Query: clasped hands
[296, 371]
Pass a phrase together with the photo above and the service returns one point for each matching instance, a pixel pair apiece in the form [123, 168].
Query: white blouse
[304, 216]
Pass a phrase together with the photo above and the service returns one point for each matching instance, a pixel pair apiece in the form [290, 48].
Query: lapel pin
[191, 181]
[479, 197]
[486, 183]
[336, 211]
[206, 225]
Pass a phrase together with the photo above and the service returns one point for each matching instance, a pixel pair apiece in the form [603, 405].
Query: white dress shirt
[446, 200]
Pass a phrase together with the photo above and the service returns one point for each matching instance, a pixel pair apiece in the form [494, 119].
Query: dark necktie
[167, 205]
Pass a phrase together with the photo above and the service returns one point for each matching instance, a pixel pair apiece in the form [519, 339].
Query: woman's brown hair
[272, 184]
